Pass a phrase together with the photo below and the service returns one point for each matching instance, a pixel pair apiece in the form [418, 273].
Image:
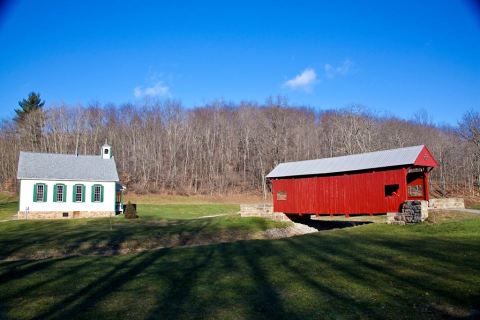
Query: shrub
[131, 211]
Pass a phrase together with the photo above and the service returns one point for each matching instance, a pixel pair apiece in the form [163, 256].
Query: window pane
[40, 193]
[415, 191]
[60, 193]
[78, 193]
[96, 194]
[282, 195]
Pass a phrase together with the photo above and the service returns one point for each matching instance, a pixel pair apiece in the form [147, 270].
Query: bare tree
[160, 146]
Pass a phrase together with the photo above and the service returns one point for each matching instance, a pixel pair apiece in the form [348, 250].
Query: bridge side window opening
[282, 195]
[415, 191]
[391, 190]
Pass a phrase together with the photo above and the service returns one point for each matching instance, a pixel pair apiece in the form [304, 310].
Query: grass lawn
[8, 206]
[159, 226]
[184, 211]
[475, 206]
[427, 271]
[111, 269]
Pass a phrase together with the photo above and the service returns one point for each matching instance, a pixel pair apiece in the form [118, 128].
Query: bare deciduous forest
[224, 148]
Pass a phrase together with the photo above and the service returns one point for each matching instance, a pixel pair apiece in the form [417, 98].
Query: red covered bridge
[367, 183]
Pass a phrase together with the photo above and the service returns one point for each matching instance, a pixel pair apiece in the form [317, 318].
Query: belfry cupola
[106, 151]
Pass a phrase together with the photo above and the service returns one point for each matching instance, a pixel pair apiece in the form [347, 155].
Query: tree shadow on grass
[180, 285]
[342, 275]
[87, 297]
[364, 262]
[44, 239]
[299, 295]
[53, 239]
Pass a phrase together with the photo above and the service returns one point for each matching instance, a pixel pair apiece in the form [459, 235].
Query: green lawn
[185, 211]
[8, 206]
[427, 271]
[159, 226]
[475, 206]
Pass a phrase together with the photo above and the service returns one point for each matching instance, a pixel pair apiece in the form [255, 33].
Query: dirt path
[469, 210]
[475, 211]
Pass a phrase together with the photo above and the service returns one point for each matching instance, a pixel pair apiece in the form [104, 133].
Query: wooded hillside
[222, 148]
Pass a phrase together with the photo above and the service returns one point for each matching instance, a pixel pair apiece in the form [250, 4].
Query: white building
[68, 186]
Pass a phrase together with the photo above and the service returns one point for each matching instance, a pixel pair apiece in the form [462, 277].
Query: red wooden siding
[344, 193]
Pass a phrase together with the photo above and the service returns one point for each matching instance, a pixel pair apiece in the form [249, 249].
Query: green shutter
[35, 192]
[55, 191]
[93, 192]
[64, 193]
[74, 193]
[44, 192]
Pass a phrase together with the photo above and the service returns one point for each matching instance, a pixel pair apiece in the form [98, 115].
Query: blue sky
[394, 57]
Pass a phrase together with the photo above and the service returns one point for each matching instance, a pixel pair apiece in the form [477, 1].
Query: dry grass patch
[437, 216]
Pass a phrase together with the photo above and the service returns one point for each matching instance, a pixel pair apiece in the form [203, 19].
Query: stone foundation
[413, 211]
[60, 214]
[262, 211]
[446, 203]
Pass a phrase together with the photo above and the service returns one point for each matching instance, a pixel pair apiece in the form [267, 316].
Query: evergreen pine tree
[30, 120]
[32, 103]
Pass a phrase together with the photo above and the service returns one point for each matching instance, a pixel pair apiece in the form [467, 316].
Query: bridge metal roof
[354, 162]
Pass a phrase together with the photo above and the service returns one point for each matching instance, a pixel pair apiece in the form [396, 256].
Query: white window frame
[60, 194]
[99, 188]
[78, 187]
[40, 199]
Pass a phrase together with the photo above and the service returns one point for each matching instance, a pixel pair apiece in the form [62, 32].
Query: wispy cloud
[303, 81]
[157, 90]
[341, 70]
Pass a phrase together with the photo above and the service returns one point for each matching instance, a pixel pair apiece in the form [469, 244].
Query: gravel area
[296, 230]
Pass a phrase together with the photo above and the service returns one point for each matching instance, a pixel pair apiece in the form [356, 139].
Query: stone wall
[60, 214]
[413, 211]
[447, 203]
[263, 211]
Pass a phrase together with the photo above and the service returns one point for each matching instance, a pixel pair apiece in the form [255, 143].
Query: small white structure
[59, 186]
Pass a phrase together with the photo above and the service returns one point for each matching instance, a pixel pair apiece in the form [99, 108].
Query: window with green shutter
[40, 192]
[97, 193]
[78, 193]
[59, 193]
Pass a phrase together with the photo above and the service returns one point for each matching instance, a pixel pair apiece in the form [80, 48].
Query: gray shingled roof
[52, 166]
[354, 162]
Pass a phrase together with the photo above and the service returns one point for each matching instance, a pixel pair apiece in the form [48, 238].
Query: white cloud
[137, 92]
[332, 72]
[157, 90]
[302, 81]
